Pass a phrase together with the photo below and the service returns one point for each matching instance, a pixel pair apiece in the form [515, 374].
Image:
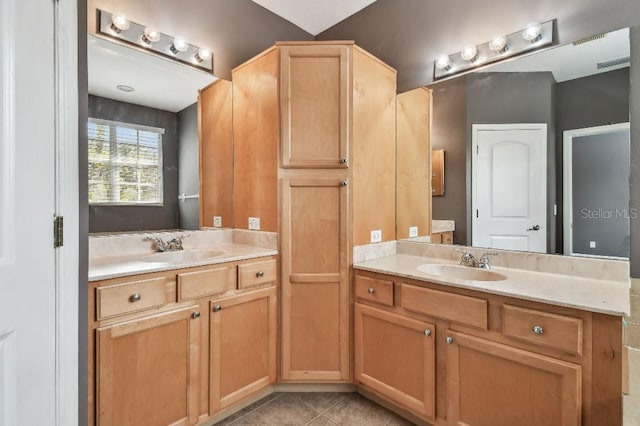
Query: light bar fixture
[117, 26]
[532, 37]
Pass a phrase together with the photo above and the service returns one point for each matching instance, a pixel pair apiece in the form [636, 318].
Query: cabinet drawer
[129, 297]
[440, 304]
[374, 290]
[542, 328]
[253, 274]
[192, 285]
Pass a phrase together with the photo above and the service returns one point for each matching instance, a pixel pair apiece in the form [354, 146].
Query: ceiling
[159, 83]
[314, 16]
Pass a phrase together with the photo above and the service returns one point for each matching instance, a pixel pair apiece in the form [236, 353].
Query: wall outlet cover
[413, 231]
[592, 244]
[217, 221]
[376, 236]
[254, 223]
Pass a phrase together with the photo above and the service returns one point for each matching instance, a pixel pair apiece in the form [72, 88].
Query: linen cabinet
[314, 155]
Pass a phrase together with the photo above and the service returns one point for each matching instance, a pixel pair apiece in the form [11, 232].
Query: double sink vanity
[190, 336]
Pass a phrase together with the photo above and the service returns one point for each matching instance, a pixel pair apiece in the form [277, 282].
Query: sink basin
[460, 272]
[183, 256]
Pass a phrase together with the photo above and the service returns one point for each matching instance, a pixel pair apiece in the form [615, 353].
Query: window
[125, 163]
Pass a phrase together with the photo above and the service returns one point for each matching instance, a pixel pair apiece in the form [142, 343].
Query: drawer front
[440, 304]
[192, 285]
[257, 273]
[130, 297]
[542, 328]
[374, 290]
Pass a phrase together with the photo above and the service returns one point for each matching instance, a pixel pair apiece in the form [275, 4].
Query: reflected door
[509, 186]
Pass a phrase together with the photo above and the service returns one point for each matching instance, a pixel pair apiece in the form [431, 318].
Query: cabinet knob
[428, 332]
[135, 298]
[343, 161]
[217, 308]
[371, 290]
[344, 183]
[195, 315]
[260, 274]
[449, 340]
[538, 330]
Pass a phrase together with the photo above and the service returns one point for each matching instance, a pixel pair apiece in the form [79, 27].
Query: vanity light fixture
[532, 37]
[118, 28]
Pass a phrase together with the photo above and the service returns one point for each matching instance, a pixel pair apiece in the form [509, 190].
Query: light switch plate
[376, 236]
[254, 223]
[217, 221]
[592, 244]
[413, 231]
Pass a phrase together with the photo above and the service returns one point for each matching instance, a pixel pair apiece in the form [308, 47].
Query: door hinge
[58, 231]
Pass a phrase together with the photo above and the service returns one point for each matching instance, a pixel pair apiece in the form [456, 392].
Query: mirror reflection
[143, 139]
[537, 151]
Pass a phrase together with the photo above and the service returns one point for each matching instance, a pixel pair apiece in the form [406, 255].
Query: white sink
[460, 272]
[183, 256]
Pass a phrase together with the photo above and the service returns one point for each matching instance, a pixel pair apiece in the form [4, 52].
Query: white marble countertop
[102, 268]
[595, 295]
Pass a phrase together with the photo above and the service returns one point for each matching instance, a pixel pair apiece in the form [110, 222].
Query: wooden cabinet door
[147, 370]
[315, 287]
[395, 357]
[314, 105]
[490, 384]
[242, 346]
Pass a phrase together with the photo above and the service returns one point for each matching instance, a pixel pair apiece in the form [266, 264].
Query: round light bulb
[150, 35]
[532, 32]
[119, 22]
[499, 44]
[469, 53]
[203, 54]
[443, 62]
[179, 45]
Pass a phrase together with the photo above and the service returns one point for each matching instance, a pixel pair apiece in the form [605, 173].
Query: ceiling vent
[589, 39]
[615, 63]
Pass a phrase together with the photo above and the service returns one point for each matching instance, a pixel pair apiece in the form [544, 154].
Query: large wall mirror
[143, 139]
[538, 151]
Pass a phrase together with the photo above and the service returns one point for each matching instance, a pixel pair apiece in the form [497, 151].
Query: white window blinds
[125, 163]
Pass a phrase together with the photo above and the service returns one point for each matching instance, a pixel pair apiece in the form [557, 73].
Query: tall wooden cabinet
[314, 135]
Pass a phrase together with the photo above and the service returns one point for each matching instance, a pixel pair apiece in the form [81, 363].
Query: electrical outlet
[254, 223]
[592, 244]
[376, 236]
[413, 231]
[217, 221]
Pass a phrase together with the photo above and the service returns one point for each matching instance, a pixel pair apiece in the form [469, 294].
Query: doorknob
[534, 228]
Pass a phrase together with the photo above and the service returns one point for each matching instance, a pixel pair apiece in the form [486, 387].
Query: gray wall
[188, 166]
[587, 102]
[600, 171]
[140, 218]
[634, 106]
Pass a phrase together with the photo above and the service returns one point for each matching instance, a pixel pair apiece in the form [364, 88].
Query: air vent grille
[614, 62]
[589, 39]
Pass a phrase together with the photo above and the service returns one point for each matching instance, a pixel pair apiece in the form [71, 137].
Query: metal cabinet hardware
[343, 160]
[371, 290]
[217, 308]
[538, 330]
[260, 274]
[534, 228]
[135, 298]
[428, 332]
[344, 183]
[195, 315]
[449, 340]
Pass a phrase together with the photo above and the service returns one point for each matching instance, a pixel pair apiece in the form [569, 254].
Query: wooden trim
[315, 278]
[210, 85]
[378, 60]
[315, 43]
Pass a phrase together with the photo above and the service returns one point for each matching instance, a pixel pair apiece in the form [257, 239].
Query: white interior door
[509, 186]
[29, 325]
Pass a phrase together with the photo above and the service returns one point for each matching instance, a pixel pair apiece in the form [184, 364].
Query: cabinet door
[395, 357]
[242, 346]
[148, 370]
[315, 287]
[492, 384]
[314, 105]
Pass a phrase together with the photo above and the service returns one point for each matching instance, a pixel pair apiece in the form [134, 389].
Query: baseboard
[315, 387]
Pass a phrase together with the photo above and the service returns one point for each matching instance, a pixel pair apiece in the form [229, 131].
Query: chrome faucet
[468, 259]
[174, 244]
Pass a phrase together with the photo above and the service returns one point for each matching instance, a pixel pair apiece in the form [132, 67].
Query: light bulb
[179, 45]
[119, 23]
[532, 33]
[203, 54]
[443, 62]
[469, 53]
[499, 44]
[150, 36]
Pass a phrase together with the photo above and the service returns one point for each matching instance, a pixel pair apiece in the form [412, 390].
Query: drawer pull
[260, 274]
[195, 315]
[135, 298]
[538, 330]
[217, 308]
[449, 340]
[428, 332]
[371, 290]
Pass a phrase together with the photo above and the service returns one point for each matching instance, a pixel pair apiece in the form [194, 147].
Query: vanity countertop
[102, 268]
[595, 295]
